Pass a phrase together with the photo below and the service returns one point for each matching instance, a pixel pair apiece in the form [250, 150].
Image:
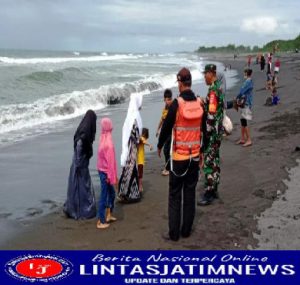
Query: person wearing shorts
[246, 94]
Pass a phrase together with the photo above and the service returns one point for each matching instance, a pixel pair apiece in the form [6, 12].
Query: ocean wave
[102, 57]
[65, 106]
[44, 76]
[52, 76]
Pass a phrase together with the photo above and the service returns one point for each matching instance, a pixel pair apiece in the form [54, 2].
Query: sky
[138, 26]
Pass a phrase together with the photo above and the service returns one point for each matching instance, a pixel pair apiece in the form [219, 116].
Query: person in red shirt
[249, 61]
[277, 66]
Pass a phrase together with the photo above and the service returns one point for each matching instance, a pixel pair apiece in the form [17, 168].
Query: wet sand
[252, 182]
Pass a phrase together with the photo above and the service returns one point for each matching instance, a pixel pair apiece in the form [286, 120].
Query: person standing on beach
[276, 66]
[262, 62]
[183, 123]
[81, 203]
[132, 129]
[212, 135]
[141, 155]
[221, 78]
[107, 168]
[249, 61]
[246, 95]
[269, 62]
[167, 145]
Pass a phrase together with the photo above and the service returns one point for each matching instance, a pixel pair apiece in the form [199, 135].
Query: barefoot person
[107, 168]
[80, 203]
[246, 95]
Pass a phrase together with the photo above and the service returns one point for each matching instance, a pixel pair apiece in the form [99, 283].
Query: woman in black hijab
[80, 202]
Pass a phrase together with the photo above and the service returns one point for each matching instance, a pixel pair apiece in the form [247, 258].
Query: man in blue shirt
[245, 97]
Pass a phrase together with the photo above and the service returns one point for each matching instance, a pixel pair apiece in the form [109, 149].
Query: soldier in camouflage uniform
[212, 135]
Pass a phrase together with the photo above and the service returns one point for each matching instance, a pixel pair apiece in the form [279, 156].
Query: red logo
[39, 268]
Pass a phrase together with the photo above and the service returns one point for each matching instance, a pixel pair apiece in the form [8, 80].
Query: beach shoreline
[251, 180]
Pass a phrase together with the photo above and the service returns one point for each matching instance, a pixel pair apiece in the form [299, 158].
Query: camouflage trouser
[211, 167]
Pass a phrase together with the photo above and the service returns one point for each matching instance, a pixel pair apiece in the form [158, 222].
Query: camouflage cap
[210, 68]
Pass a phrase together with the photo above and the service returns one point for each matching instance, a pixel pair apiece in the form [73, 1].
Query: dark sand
[251, 181]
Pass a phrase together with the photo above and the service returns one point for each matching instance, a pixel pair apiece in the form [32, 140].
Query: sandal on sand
[240, 142]
[247, 144]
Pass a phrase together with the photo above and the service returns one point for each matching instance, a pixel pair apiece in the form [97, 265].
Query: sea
[41, 88]
[43, 96]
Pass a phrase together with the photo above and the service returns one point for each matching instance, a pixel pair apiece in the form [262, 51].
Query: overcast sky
[138, 26]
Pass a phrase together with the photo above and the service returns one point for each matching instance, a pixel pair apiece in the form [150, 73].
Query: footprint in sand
[125, 240]
[66, 228]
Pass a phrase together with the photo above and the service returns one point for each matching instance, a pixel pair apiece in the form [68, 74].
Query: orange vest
[187, 129]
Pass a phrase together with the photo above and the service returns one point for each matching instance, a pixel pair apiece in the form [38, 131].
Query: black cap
[184, 75]
[210, 68]
[248, 71]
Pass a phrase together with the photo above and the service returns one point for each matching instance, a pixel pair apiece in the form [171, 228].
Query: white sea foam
[40, 115]
[103, 57]
[65, 106]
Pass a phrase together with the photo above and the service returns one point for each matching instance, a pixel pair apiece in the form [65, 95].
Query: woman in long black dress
[80, 203]
[262, 62]
[132, 129]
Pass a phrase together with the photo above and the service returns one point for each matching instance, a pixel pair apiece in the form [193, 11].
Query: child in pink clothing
[107, 168]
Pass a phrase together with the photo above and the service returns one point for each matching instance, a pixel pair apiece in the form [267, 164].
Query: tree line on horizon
[278, 45]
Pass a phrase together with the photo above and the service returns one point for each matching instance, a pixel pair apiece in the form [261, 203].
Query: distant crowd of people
[272, 74]
[189, 134]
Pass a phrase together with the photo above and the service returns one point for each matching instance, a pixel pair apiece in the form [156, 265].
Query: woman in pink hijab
[107, 168]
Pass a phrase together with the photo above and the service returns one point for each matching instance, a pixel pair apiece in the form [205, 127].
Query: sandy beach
[259, 192]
